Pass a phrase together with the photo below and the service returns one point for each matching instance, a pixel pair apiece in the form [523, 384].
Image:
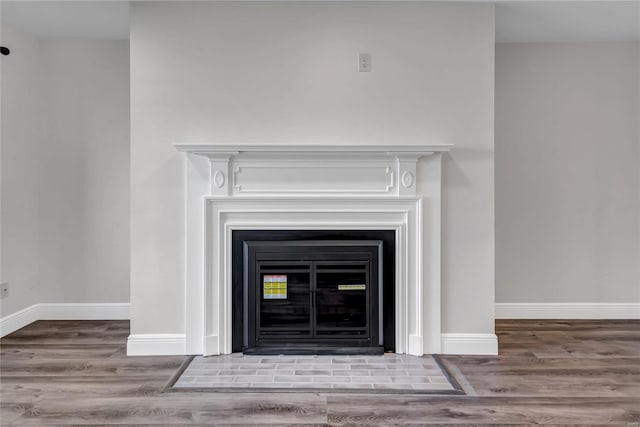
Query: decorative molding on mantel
[346, 170]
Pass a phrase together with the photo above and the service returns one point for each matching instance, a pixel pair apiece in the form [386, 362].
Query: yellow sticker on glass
[274, 286]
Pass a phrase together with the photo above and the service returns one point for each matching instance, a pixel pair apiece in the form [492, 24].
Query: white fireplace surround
[313, 187]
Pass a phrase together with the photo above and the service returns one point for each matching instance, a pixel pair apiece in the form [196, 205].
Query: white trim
[479, 344]
[18, 320]
[64, 311]
[568, 310]
[84, 311]
[156, 344]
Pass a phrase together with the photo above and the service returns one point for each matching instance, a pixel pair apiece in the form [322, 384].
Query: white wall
[286, 72]
[19, 178]
[65, 170]
[567, 172]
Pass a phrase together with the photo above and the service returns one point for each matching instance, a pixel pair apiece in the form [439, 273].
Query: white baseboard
[175, 344]
[84, 311]
[567, 310]
[156, 344]
[64, 311]
[18, 320]
[478, 344]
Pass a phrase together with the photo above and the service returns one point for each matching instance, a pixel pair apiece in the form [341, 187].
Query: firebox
[320, 293]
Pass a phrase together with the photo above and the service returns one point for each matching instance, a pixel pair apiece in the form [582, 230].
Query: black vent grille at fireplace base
[313, 292]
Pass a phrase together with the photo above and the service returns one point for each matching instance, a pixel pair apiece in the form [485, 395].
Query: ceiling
[516, 21]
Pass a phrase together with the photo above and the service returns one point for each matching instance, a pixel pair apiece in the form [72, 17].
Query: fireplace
[336, 191]
[313, 292]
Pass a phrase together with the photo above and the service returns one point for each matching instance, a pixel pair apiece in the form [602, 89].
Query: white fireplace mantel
[312, 187]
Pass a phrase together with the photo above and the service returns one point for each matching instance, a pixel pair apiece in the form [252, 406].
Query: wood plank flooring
[548, 372]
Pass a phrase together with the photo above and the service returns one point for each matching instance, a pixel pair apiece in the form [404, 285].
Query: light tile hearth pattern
[392, 372]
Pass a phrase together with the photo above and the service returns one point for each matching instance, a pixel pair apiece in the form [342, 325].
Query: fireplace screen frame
[242, 314]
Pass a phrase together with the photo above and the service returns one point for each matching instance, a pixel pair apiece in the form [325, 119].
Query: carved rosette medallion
[407, 179]
[218, 179]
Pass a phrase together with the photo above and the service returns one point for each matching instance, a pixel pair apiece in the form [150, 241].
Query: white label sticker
[358, 287]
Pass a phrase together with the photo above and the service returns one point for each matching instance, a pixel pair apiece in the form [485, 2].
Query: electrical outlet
[4, 290]
[364, 62]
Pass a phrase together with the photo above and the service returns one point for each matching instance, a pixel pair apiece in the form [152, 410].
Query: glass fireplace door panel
[284, 303]
[342, 307]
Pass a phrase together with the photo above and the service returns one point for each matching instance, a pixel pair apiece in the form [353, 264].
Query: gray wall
[285, 72]
[65, 170]
[567, 172]
[19, 175]
[84, 165]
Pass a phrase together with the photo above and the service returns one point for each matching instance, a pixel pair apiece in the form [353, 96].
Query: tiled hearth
[390, 373]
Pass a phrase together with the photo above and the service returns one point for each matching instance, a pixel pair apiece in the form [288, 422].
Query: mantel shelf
[221, 150]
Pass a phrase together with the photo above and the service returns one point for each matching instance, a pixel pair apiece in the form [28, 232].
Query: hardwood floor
[548, 372]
